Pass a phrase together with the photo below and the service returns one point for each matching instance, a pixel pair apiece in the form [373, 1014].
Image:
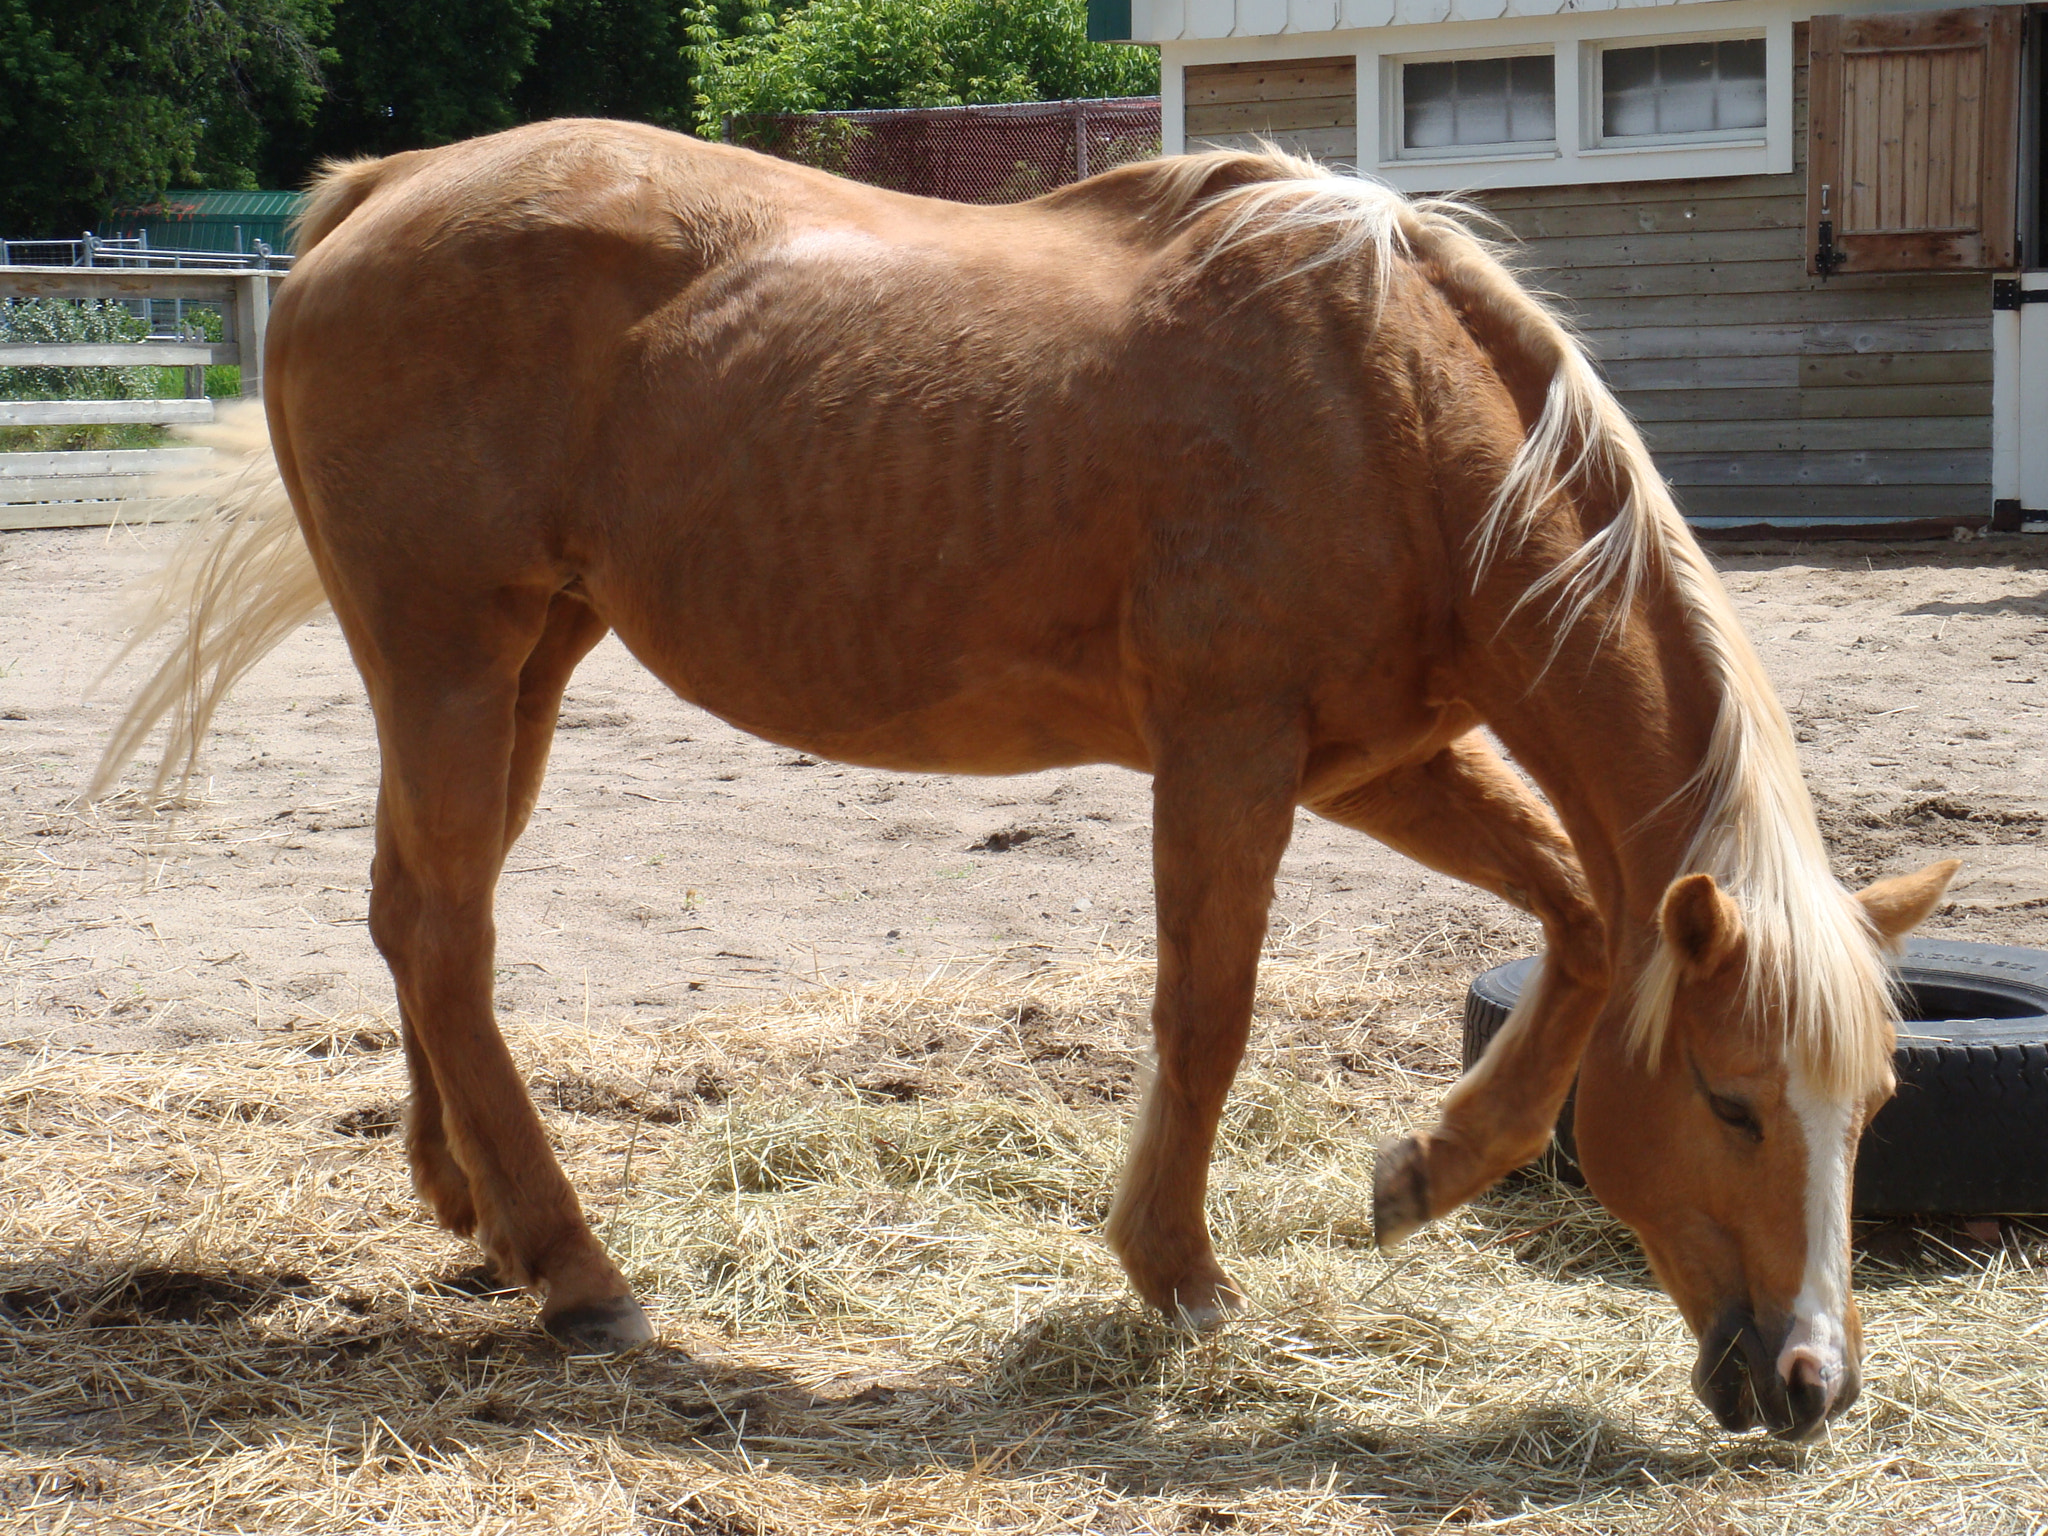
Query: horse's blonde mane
[1814, 959]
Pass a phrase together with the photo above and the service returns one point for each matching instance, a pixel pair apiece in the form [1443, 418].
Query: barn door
[1913, 144]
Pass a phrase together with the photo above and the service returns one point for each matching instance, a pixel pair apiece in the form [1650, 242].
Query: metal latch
[1825, 257]
[2006, 293]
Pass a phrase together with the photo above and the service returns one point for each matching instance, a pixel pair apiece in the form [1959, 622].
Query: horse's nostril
[1722, 1377]
[1806, 1398]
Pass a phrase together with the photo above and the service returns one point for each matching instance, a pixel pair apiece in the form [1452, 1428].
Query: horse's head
[1729, 1148]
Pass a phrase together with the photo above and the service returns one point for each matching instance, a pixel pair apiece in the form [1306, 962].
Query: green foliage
[64, 320]
[106, 102]
[110, 101]
[610, 58]
[411, 73]
[202, 322]
[86, 321]
[837, 54]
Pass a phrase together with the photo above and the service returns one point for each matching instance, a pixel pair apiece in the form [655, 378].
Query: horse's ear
[1700, 923]
[1899, 905]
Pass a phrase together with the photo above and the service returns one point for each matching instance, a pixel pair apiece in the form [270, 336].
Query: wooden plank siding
[1765, 392]
[1309, 106]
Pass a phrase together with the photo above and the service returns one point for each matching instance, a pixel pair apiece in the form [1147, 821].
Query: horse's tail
[237, 584]
[339, 188]
[242, 578]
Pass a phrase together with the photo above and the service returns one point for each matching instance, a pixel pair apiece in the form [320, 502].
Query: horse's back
[878, 474]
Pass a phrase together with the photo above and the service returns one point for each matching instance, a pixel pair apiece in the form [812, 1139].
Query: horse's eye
[1736, 1114]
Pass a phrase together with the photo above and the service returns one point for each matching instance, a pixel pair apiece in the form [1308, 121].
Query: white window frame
[1577, 158]
[1393, 125]
[1592, 100]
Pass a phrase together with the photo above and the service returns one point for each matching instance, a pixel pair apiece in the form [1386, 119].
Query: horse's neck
[1616, 725]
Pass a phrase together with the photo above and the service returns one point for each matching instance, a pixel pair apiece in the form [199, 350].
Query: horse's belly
[985, 731]
[883, 674]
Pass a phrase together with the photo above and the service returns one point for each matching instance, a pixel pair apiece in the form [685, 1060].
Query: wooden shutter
[1913, 143]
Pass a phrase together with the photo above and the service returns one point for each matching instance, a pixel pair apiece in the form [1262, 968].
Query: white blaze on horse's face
[1732, 1156]
[1816, 1357]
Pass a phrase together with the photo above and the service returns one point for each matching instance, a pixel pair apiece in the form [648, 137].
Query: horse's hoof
[1209, 1316]
[1205, 1306]
[1400, 1192]
[600, 1327]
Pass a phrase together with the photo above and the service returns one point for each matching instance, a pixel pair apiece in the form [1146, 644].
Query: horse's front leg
[1223, 808]
[1467, 813]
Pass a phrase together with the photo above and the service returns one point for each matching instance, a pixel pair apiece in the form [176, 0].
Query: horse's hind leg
[572, 628]
[1220, 822]
[1465, 812]
[463, 686]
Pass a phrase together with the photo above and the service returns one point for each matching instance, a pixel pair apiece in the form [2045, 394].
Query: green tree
[111, 101]
[833, 54]
[610, 58]
[413, 73]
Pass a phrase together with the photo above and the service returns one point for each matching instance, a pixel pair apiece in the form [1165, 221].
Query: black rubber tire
[1967, 1132]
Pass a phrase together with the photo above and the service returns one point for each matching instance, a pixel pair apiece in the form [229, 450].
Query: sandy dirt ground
[675, 863]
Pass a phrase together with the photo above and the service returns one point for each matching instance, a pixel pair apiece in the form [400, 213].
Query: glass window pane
[1685, 88]
[1628, 91]
[1482, 101]
[1741, 97]
[1479, 102]
[1532, 100]
[1682, 88]
[1426, 97]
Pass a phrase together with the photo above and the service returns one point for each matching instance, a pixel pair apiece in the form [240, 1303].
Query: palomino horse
[1264, 482]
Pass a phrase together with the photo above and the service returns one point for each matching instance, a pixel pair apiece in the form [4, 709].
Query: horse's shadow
[2014, 602]
[127, 1365]
[1554, 1227]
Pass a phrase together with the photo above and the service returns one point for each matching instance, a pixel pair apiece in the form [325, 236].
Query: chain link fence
[986, 154]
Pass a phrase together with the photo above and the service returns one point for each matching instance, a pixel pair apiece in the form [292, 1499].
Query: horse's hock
[1963, 1134]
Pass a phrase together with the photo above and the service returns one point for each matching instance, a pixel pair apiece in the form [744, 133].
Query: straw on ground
[867, 1223]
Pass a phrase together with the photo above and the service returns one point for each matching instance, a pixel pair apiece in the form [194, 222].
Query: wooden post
[252, 318]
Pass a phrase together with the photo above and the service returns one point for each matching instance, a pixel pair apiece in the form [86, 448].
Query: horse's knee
[394, 912]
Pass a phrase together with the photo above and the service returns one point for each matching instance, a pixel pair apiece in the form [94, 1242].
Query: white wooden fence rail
[86, 488]
[93, 413]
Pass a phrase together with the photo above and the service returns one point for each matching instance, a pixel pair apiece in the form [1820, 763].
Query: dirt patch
[152, 1295]
[1867, 843]
[675, 864]
[664, 1098]
[672, 864]
[371, 1120]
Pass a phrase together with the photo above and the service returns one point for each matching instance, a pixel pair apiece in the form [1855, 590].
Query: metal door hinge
[2006, 293]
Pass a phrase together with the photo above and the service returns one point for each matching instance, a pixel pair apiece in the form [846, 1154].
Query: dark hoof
[600, 1328]
[1400, 1192]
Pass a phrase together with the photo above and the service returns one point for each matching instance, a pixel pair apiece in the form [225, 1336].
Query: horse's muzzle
[1738, 1377]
